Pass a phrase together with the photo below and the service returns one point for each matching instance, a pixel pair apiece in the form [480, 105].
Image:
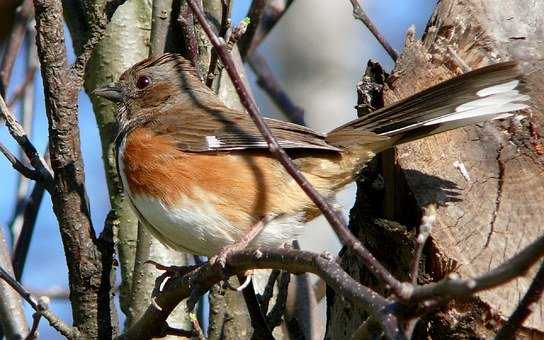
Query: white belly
[199, 229]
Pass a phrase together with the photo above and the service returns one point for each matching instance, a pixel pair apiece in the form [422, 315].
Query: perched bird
[199, 174]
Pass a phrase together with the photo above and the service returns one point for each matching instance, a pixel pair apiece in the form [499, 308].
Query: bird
[199, 175]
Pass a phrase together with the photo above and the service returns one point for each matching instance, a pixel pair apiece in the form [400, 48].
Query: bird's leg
[221, 258]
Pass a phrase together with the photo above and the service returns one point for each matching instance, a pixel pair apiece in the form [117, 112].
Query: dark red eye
[143, 82]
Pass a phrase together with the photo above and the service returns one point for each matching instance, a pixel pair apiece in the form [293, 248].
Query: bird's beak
[111, 92]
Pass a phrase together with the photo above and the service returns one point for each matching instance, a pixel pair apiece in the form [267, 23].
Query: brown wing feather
[223, 129]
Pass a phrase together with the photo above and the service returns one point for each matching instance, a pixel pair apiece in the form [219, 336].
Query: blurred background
[318, 52]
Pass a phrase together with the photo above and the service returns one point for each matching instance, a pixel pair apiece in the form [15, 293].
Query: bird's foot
[220, 259]
[169, 272]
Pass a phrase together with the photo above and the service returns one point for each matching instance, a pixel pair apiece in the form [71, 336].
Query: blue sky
[46, 266]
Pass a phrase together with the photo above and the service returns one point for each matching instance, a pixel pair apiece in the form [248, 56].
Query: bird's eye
[143, 82]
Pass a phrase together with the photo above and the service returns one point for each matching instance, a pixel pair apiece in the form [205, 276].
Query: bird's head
[156, 85]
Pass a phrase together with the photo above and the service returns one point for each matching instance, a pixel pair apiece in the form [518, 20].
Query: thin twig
[427, 221]
[223, 32]
[335, 219]
[453, 287]
[15, 39]
[268, 82]
[232, 39]
[63, 328]
[268, 292]
[43, 303]
[274, 318]
[254, 14]
[18, 133]
[525, 307]
[359, 14]
[273, 12]
[261, 330]
[196, 326]
[18, 165]
[29, 216]
[12, 316]
[27, 119]
[21, 89]
[187, 26]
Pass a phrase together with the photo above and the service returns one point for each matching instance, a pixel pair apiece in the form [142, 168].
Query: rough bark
[122, 45]
[89, 260]
[12, 317]
[482, 220]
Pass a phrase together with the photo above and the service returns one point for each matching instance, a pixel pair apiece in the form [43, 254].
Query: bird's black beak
[111, 92]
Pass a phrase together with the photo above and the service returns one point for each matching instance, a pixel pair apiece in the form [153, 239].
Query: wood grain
[492, 216]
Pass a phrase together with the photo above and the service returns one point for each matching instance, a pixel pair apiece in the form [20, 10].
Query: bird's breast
[200, 202]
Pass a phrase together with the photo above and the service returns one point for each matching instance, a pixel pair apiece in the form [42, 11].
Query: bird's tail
[492, 92]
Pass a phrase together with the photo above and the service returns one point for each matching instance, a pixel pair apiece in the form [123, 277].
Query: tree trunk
[484, 217]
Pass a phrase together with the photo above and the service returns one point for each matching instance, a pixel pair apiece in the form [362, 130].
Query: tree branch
[273, 12]
[54, 320]
[254, 14]
[268, 82]
[15, 39]
[295, 261]
[458, 288]
[18, 133]
[12, 317]
[89, 265]
[525, 307]
[359, 14]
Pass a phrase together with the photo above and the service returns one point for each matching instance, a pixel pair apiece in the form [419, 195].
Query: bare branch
[268, 82]
[54, 320]
[223, 32]
[18, 165]
[274, 318]
[336, 220]
[15, 39]
[43, 303]
[427, 221]
[268, 292]
[254, 14]
[89, 259]
[186, 23]
[21, 89]
[215, 65]
[295, 261]
[525, 307]
[101, 16]
[160, 22]
[196, 327]
[359, 14]
[261, 330]
[18, 133]
[273, 12]
[12, 317]
[453, 287]
[29, 215]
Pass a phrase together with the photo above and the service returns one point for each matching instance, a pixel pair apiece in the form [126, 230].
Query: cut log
[488, 179]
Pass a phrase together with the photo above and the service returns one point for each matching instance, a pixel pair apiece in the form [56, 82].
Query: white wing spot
[213, 142]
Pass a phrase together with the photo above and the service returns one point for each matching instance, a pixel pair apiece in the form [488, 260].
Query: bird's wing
[222, 129]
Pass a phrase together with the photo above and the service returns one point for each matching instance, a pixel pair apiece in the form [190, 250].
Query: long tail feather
[492, 92]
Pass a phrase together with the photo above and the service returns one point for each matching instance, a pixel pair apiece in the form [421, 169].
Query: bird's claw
[169, 272]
